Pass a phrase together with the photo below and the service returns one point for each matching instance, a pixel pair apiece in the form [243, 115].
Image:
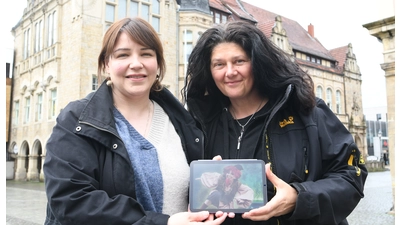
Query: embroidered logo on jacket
[286, 122]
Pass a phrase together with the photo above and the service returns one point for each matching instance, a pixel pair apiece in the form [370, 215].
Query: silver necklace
[148, 119]
[242, 126]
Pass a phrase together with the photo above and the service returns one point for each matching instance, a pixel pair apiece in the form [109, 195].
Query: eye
[217, 65]
[147, 54]
[241, 61]
[122, 55]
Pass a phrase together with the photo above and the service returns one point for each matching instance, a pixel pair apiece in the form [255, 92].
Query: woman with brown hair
[121, 155]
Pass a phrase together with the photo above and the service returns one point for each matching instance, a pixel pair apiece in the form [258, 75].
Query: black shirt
[225, 143]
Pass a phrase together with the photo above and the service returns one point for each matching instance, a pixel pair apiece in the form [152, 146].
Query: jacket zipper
[305, 160]
[268, 152]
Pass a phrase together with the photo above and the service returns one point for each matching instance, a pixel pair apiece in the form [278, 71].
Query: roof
[298, 37]
[340, 55]
[217, 4]
[237, 9]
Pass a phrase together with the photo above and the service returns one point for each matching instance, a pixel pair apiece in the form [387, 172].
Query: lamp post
[380, 143]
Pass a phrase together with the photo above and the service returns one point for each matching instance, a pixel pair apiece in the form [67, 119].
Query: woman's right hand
[203, 217]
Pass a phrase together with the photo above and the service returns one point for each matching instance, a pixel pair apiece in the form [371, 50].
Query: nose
[135, 64]
[230, 70]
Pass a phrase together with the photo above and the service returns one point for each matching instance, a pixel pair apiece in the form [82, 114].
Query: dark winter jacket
[88, 175]
[314, 153]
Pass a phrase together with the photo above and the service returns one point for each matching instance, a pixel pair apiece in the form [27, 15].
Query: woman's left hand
[282, 203]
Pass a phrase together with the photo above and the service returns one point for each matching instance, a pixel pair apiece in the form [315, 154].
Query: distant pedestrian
[385, 159]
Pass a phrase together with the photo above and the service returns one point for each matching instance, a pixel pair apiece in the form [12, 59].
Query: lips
[232, 82]
[135, 76]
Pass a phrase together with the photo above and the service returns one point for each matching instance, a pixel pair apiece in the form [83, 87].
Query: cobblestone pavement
[374, 208]
[26, 202]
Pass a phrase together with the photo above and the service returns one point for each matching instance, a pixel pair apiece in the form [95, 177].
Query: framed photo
[227, 185]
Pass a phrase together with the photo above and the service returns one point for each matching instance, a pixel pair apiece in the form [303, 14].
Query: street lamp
[380, 143]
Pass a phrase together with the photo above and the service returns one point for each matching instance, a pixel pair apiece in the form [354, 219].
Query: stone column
[41, 178]
[20, 173]
[32, 169]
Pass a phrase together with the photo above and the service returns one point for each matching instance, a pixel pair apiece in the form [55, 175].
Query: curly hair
[272, 68]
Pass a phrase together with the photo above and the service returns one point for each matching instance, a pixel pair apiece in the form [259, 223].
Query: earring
[157, 77]
[109, 81]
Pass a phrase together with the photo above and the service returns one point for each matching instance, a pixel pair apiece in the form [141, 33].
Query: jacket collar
[99, 108]
[204, 109]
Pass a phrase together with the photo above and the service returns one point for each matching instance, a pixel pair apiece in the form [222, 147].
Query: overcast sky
[336, 24]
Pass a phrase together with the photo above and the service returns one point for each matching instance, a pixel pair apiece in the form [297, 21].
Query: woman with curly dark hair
[252, 101]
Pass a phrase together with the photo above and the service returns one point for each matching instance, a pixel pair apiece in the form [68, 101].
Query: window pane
[156, 7]
[188, 51]
[217, 18]
[16, 113]
[55, 30]
[27, 109]
[145, 12]
[338, 105]
[94, 82]
[110, 14]
[329, 97]
[50, 30]
[53, 103]
[121, 9]
[156, 23]
[188, 35]
[319, 92]
[134, 9]
[39, 106]
[224, 19]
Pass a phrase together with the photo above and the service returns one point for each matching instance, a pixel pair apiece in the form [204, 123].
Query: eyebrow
[121, 49]
[234, 57]
[127, 49]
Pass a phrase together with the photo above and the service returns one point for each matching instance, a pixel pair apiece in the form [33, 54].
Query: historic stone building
[57, 43]
[384, 30]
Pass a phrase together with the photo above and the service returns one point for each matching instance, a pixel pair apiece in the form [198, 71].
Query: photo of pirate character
[227, 190]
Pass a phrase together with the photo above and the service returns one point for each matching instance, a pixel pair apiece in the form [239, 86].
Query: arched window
[329, 97]
[187, 44]
[27, 42]
[319, 92]
[338, 102]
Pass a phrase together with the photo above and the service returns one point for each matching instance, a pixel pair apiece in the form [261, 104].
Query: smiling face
[132, 68]
[232, 72]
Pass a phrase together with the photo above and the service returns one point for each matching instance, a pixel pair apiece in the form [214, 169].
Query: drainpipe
[177, 50]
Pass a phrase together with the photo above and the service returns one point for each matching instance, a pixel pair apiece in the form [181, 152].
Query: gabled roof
[237, 9]
[298, 37]
[340, 55]
[217, 4]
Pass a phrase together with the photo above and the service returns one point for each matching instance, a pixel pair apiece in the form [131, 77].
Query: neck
[243, 109]
[131, 106]
[138, 113]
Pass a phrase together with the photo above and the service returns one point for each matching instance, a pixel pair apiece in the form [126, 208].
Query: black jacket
[88, 175]
[314, 153]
